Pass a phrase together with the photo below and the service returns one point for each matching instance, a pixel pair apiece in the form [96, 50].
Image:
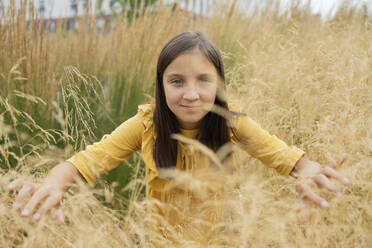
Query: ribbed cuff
[83, 169]
[293, 155]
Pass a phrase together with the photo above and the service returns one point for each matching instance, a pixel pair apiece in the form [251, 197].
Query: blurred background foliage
[61, 90]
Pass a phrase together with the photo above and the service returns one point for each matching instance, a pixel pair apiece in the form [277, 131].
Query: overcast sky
[325, 8]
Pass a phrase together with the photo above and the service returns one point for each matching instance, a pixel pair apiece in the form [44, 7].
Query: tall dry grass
[307, 82]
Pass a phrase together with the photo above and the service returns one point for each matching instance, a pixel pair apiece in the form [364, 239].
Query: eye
[204, 80]
[176, 81]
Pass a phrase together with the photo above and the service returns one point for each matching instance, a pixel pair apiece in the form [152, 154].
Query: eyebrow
[181, 75]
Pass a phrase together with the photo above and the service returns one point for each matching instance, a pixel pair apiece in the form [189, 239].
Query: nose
[191, 94]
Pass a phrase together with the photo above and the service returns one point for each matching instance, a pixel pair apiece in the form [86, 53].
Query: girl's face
[190, 86]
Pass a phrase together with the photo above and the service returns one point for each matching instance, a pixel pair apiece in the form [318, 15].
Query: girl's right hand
[44, 198]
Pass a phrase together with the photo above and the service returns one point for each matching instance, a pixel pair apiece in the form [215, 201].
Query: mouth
[188, 106]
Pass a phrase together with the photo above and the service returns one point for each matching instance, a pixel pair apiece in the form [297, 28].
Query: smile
[189, 107]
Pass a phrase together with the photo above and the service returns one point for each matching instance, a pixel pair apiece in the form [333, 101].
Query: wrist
[297, 168]
[62, 176]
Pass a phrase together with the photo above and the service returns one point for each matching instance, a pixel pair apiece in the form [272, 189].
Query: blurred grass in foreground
[307, 82]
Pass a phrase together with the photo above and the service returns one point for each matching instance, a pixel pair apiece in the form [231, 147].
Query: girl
[190, 90]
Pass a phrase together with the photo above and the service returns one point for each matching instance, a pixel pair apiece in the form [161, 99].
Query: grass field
[308, 82]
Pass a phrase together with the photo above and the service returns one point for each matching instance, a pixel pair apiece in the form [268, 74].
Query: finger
[330, 172]
[49, 203]
[323, 181]
[27, 190]
[59, 216]
[15, 185]
[305, 209]
[340, 161]
[34, 201]
[307, 192]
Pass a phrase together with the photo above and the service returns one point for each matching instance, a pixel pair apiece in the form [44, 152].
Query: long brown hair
[214, 131]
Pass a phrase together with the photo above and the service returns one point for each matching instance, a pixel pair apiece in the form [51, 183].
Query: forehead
[191, 62]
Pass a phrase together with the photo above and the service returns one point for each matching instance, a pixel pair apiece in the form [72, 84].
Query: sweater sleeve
[269, 149]
[112, 149]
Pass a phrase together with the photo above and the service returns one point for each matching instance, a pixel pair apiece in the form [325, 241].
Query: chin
[192, 121]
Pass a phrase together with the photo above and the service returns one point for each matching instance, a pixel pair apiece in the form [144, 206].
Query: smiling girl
[190, 83]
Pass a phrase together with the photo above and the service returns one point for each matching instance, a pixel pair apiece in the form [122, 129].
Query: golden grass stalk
[307, 82]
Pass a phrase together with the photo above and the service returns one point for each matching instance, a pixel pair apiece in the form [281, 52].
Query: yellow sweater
[137, 133]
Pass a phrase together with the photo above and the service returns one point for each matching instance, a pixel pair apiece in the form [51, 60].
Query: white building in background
[68, 10]
[327, 9]
[51, 9]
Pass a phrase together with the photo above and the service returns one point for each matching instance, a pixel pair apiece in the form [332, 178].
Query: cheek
[171, 95]
[209, 94]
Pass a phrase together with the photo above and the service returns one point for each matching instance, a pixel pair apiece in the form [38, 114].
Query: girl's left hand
[309, 172]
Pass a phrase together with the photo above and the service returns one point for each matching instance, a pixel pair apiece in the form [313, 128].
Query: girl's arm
[287, 160]
[112, 149]
[48, 195]
[307, 173]
[269, 149]
[94, 160]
